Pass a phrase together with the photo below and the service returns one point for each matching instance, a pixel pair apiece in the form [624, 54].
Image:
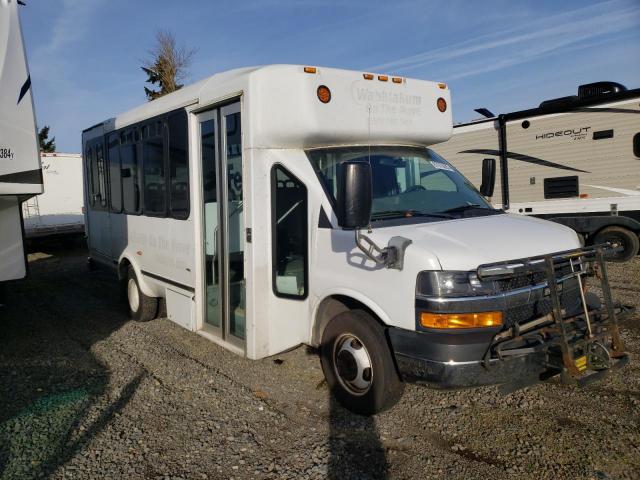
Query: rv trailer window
[154, 177]
[636, 145]
[115, 182]
[289, 234]
[561, 187]
[178, 166]
[130, 179]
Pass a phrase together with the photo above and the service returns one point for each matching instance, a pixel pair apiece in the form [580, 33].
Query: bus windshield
[406, 181]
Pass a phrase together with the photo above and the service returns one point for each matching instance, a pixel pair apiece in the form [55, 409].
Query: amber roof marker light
[310, 70]
[324, 94]
[442, 104]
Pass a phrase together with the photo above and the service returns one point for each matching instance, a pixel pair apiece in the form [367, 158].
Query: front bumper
[419, 358]
[572, 333]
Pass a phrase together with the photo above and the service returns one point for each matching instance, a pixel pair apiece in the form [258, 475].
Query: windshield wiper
[469, 206]
[408, 214]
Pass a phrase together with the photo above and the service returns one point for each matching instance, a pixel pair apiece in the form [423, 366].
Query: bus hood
[466, 243]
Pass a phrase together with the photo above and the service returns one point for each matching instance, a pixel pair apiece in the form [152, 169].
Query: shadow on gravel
[354, 445]
[49, 378]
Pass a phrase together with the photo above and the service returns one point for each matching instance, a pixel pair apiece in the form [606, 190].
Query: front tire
[627, 239]
[142, 308]
[358, 364]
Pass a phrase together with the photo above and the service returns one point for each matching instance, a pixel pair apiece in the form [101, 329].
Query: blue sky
[85, 55]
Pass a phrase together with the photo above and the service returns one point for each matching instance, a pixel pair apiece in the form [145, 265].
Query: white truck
[20, 173]
[58, 211]
[285, 205]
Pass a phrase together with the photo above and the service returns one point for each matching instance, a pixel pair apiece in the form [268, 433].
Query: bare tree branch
[167, 65]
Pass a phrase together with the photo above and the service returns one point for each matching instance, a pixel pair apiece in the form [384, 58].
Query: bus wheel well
[332, 306]
[123, 269]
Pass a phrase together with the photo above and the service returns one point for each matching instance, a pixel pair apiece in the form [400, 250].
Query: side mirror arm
[392, 256]
[370, 249]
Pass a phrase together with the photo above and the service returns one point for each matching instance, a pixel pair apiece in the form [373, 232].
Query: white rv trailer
[575, 160]
[240, 201]
[20, 174]
[58, 211]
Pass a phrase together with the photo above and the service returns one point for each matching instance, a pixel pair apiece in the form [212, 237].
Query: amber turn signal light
[442, 104]
[324, 94]
[460, 320]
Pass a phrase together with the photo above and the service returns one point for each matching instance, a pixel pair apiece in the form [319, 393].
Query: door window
[235, 225]
[289, 234]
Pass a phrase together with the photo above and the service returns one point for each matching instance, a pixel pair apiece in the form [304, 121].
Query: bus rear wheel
[142, 308]
[358, 364]
[621, 237]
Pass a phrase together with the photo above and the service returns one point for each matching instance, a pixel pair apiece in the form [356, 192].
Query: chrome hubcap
[352, 364]
[132, 293]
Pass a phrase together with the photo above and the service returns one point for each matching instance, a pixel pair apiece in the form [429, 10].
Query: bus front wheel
[142, 308]
[358, 364]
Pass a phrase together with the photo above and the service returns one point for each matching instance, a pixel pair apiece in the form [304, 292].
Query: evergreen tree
[46, 145]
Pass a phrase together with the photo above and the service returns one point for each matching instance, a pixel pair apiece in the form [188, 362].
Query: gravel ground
[86, 393]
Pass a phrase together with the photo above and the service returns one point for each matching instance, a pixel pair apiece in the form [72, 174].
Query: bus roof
[283, 108]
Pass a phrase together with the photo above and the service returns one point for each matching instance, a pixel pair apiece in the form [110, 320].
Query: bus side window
[91, 189]
[178, 166]
[102, 176]
[289, 235]
[115, 183]
[130, 179]
[154, 176]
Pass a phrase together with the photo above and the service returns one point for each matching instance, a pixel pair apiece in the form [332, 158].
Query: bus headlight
[453, 284]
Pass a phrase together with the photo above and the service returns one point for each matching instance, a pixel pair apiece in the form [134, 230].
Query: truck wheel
[627, 239]
[358, 364]
[141, 307]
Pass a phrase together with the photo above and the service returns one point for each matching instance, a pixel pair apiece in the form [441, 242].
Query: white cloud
[526, 42]
[71, 25]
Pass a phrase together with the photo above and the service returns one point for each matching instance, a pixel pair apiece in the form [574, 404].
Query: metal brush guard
[582, 346]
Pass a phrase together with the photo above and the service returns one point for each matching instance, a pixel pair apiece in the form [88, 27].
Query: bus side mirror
[354, 195]
[488, 177]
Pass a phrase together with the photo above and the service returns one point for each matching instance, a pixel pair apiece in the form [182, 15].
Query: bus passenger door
[222, 196]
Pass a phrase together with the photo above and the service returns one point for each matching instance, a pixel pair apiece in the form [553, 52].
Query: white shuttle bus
[285, 205]
[20, 173]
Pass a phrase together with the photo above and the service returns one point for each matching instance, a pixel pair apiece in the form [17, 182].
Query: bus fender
[331, 304]
[123, 266]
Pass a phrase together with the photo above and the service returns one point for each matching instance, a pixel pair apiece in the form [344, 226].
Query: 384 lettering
[6, 153]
